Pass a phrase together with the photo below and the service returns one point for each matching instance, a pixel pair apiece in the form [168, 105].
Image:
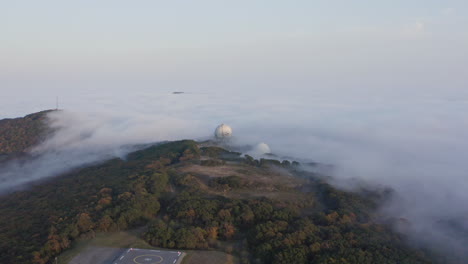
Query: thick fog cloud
[416, 145]
[86, 138]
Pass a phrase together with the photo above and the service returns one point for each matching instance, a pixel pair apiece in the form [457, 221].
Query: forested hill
[19, 134]
[191, 196]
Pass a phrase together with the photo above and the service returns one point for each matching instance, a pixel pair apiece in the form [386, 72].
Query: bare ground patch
[217, 171]
[270, 182]
[264, 176]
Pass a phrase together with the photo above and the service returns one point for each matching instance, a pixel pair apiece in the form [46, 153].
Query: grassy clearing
[203, 257]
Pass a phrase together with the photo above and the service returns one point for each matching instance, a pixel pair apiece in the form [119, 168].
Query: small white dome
[262, 148]
[223, 131]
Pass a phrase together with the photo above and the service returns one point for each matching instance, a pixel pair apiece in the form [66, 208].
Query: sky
[57, 48]
[379, 89]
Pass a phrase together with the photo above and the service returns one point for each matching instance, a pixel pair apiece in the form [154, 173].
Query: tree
[105, 223]
[84, 223]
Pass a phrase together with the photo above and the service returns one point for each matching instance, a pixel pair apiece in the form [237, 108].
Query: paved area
[97, 255]
[147, 256]
[103, 255]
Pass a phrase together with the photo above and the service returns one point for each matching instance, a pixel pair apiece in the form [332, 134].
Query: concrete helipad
[148, 256]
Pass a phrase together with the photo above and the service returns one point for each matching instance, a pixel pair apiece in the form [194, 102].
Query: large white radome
[223, 131]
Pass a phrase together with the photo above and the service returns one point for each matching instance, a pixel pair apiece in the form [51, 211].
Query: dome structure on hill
[262, 148]
[223, 131]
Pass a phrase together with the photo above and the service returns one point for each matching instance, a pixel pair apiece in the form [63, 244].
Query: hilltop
[18, 135]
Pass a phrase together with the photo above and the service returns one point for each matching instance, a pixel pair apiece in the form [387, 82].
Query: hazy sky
[50, 48]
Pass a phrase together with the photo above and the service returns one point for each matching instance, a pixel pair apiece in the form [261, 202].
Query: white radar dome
[262, 148]
[223, 131]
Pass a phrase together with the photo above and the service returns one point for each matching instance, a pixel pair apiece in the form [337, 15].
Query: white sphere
[223, 131]
[262, 148]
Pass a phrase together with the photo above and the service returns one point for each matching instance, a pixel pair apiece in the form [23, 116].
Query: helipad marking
[148, 259]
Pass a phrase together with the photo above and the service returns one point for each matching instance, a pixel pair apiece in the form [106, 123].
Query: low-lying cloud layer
[417, 146]
[86, 138]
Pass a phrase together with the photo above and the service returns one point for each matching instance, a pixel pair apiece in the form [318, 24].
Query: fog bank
[413, 144]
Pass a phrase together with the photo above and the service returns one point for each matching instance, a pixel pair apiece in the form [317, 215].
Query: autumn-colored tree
[212, 232]
[105, 223]
[228, 230]
[315, 247]
[332, 217]
[84, 223]
[38, 259]
[224, 215]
